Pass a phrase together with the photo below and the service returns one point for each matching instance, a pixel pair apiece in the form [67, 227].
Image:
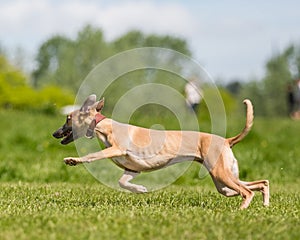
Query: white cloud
[41, 18]
[230, 38]
[149, 17]
[29, 25]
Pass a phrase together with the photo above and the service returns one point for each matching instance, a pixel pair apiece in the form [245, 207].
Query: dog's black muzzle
[65, 132]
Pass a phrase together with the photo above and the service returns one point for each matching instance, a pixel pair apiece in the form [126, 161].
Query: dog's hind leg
[263, 186]
[224, 190]
[232, 187]
[228, 185]
[125, 183]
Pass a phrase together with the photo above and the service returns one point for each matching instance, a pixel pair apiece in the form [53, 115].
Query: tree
[278, 76]
[134, 39]
[49, 59]
[66, 62]
[269, 94]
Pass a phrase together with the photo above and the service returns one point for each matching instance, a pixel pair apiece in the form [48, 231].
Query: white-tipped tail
[249, 122]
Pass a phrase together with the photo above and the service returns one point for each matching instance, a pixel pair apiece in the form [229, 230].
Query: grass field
[41, 198]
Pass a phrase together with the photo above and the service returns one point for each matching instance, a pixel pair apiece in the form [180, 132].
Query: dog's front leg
[124, 182]
[106, 153]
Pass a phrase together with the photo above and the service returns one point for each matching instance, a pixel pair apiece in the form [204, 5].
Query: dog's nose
[58, 133]
[54, 134]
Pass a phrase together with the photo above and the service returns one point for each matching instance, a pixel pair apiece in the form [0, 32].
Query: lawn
[92, 211]
[41, 198]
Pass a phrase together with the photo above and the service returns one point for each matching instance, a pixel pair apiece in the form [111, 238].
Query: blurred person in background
[193, 94]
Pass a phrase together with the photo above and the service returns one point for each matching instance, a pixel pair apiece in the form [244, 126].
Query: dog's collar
[98, 118]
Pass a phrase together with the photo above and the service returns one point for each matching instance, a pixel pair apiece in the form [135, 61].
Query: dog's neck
[98, 118]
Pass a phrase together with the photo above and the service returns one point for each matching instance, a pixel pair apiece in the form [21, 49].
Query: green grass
[82, 211]
[42, 198]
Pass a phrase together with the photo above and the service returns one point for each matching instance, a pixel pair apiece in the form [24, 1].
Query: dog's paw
[71, 161]
[141, 189]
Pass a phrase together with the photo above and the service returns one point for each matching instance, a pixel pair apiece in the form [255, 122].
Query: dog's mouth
[66, 134]
[68, 137]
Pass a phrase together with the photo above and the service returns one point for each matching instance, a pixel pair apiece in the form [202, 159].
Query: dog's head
[78, 121]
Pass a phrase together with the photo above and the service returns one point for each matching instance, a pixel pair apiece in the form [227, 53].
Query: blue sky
[230, 38]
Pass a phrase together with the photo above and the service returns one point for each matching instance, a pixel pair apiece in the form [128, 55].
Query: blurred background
[47, 47]
[251, 49]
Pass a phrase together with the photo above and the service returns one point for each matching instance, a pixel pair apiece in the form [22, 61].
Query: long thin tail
[249, 122]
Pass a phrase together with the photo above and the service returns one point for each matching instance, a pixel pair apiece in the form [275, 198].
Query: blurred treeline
[270, 94]
[62, 63]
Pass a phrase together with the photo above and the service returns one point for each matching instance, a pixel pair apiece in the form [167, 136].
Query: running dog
[136, 149]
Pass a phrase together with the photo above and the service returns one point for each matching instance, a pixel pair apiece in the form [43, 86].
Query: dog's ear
[100, 105]
[88, 102]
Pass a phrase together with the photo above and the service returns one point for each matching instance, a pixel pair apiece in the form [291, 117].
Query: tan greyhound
[136, 149]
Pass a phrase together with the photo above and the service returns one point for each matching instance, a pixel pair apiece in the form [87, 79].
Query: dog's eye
[81, 119]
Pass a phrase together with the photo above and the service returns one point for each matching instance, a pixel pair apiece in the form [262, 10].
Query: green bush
[16, 93]
[53, 97]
